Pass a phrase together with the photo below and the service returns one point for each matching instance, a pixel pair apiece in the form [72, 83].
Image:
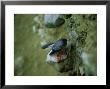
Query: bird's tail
[46, 45]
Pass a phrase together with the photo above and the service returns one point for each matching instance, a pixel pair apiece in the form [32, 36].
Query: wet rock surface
[53, 20]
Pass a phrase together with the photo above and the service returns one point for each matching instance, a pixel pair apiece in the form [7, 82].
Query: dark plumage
[58, 45]
[46, 45]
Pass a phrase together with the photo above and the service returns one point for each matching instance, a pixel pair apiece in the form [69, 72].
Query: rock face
[53, 20]
[68, 65]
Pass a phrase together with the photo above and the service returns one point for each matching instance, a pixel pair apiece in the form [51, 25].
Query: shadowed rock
[53, 20]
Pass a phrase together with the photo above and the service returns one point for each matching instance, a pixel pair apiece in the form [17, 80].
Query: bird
[57, 46]
[58, 50]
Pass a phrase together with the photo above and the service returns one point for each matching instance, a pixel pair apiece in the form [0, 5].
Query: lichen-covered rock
[71, 65]
[53, 20]
[67, 16]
